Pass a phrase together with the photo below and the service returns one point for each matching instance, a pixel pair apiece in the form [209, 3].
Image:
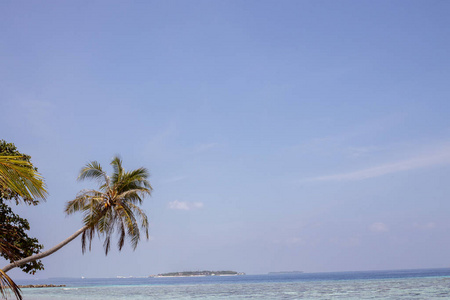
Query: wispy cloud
[182, 205]
[378, 227]
[432, 158]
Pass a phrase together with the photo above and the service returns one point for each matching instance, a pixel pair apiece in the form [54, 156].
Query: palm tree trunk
[52, 250]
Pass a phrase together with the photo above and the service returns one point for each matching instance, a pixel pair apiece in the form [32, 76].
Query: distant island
[198, 274]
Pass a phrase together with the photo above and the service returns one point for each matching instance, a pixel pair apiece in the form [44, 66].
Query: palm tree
[20, 177]
[113, 207]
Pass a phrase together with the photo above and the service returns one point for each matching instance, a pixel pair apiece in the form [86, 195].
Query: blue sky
[280, 135]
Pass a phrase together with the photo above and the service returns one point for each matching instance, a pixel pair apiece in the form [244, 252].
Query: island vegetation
[198, 273]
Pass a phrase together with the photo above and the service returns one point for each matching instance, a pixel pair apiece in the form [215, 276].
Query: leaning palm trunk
[45, 253]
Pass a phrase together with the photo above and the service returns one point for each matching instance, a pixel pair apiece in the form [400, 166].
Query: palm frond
[122, 235]
[116, 163]
[76, 205]
[93, 170]
[7, 284]
[136, 178]
[107, 244]
[85, 200]
[93, 212]
[20, 176]
[138, 174]
[135, 235]
[106, 222]
[83, 241]
[87, 237]
[130, 224]
[130, 196]
[142, 216]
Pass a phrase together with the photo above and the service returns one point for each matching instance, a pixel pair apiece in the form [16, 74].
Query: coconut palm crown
[114, 206]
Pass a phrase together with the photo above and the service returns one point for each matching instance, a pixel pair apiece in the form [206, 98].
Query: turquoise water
[410, 284]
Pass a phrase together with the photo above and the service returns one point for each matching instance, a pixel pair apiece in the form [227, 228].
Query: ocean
[399, 284]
